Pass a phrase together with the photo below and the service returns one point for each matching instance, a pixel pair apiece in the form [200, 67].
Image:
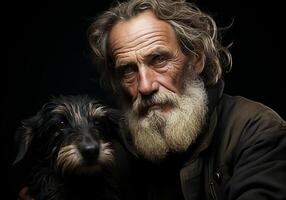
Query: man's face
[168, 101]
[147, 57]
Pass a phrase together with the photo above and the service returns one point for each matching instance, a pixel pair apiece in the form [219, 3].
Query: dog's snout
[90, 152]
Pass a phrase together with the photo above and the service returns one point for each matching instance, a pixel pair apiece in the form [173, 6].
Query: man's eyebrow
[122, 64]
[156, 51]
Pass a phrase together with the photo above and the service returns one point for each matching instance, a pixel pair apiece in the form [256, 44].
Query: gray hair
[195, 30]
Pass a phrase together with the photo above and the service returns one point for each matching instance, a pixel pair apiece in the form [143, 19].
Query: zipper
[212, 189]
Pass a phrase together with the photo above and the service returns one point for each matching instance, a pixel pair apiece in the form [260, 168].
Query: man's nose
[148, 83]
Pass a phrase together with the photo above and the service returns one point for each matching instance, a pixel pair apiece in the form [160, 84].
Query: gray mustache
[142, 103]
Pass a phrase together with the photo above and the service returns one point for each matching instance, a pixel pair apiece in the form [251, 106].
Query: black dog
[70, 147]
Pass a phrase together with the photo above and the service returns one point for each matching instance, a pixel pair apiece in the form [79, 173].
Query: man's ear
[199, 62]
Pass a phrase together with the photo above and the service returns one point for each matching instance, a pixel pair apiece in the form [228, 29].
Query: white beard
[159, 133]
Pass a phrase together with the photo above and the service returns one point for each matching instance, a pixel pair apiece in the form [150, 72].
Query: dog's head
[73, 133]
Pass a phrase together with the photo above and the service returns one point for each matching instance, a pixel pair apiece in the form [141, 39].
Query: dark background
[45, 53]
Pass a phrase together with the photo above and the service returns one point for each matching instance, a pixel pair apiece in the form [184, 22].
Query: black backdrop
[46, 53]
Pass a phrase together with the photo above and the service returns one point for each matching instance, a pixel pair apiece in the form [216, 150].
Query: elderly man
[164, 60]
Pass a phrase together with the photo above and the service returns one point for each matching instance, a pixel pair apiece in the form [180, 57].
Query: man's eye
[127, 71]
[158, 60]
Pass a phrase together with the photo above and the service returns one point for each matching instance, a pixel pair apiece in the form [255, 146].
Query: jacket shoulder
[243, 122]
[250, 141]
[242, 110]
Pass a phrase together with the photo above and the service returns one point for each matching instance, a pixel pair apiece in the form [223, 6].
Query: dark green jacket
[241, 155]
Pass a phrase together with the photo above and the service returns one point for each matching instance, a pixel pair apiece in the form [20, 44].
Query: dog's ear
[113, 115]
[116, 117]
[23, 137]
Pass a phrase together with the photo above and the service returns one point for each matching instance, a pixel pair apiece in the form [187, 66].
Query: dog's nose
[90, 151]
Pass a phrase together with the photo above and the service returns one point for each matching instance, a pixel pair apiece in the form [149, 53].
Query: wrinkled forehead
[141, 28]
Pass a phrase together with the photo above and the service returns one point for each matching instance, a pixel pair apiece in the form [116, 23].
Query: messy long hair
[195, 30]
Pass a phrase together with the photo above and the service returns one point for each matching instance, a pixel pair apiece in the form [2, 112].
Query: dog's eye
[61, 124]
[96, 122]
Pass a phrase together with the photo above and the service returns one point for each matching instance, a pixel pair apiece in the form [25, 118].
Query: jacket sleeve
[259, 160]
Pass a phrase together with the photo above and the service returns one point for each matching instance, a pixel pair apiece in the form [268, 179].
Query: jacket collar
[214, 93]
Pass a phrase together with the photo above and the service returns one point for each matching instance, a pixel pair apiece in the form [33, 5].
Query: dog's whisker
[106, 153]
[68, 158]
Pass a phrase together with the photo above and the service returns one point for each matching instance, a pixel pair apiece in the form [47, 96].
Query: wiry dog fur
[69, 146]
